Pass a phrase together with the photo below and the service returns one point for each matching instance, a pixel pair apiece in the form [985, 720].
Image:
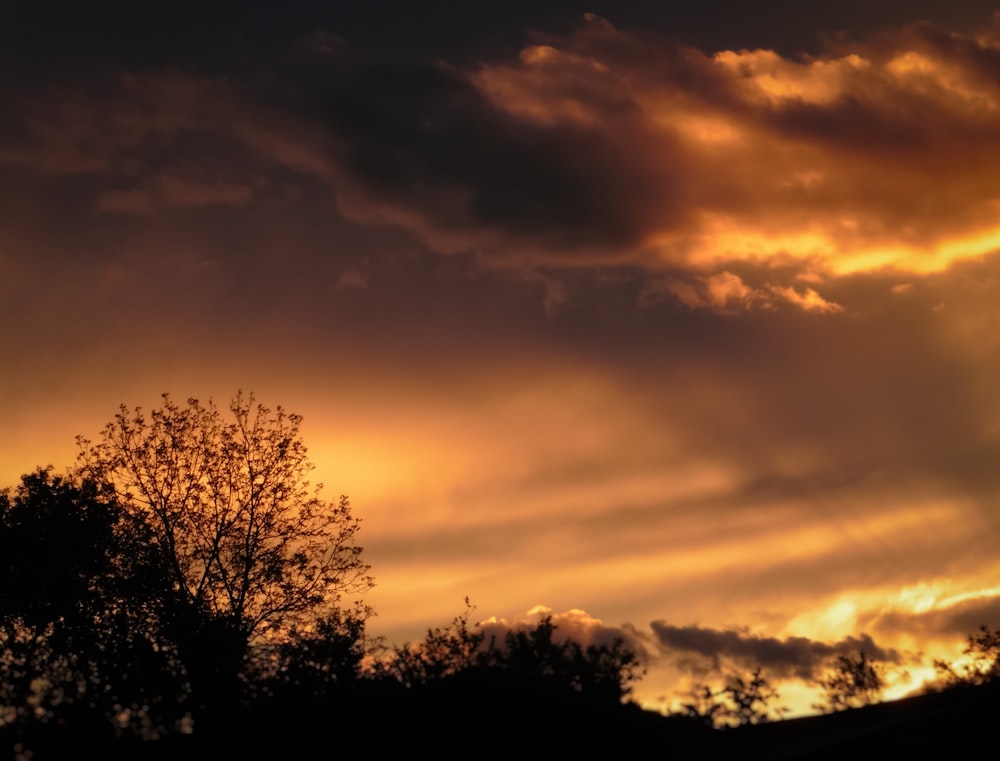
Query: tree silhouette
[854, 682]
[444, 652]
[751, 699]
[313, 664]
[983, 648]
[525, 656]
[251, 552]
[604, 672]
[73, 640]
[704, 706]
[741, 701]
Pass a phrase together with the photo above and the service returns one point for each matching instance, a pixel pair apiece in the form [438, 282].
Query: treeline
[97, 652]
[184, 590]
[185, 586]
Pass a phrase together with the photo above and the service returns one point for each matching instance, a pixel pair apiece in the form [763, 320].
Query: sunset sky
[680, 324]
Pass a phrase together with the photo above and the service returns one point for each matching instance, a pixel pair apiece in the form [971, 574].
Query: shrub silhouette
[602, 672]
[743, 700]
[444, 652]
[533, 654]
[983, 647]
[854, 682]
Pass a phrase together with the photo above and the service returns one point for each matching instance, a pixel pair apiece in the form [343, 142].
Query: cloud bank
[798, 657]
[737, 180]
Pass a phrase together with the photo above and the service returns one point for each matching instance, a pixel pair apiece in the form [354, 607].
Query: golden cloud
[602, 148]
[597, 148]
[860, 160]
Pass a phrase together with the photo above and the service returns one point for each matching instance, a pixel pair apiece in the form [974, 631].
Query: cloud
[726, 293]
[950, 619]
[746, 170]
[808, 300]
[799, 657]
[602, 147]
[723, 292]
[161, 139]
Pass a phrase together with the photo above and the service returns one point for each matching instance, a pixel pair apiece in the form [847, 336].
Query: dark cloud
[799, 657]
[425, 144]
[596, 147]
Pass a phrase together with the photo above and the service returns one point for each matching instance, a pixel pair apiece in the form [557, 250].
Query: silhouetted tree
[444, 652]
[600, 671]
[251, 552]
[74, 642]
[530, 655]
[752, 700]
[704, 706]
[984, 650]
[741, 701]
[853, 683]
[318, 662]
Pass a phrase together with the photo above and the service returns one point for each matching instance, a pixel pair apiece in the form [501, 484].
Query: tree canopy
[242, 533]
[185, 568]
[252, 558]
[854, 682]
[77, 601]
[533, 655]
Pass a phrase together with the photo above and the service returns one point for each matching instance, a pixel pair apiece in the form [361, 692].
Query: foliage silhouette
[742, 701]
[77, 597]
[525, 655]
[603, 672]
[444, 652]
[251, 552]
[751, 699]
[704, 707]
[855, 682]
[315, 664]
[983, 647]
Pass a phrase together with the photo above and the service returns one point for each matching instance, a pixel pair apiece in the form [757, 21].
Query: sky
[680, 324]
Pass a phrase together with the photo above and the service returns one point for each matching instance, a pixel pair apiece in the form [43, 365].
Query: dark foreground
[451, 722]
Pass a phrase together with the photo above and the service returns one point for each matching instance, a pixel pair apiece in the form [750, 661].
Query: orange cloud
[596, 148]
[869, 158]
[727, 293]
